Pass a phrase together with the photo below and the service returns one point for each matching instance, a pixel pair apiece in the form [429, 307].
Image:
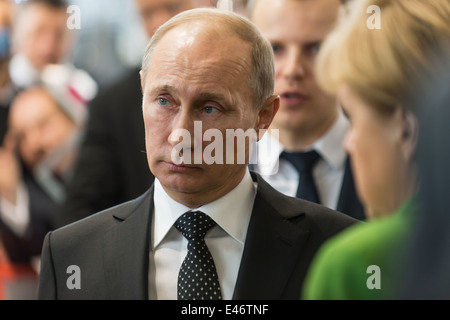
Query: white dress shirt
[226, 240]
[16, 216]
[22, 73]
[328, 172]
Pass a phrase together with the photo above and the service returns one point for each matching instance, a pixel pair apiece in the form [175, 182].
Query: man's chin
[289, 123]
[183, 182]
[184, 191]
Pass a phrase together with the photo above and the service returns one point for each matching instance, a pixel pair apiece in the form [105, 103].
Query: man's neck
[297, 140]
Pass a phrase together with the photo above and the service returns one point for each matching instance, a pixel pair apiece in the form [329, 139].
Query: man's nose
[32, 138]
[31, 145]
[293, 67]
[185, 126]
[186, 138]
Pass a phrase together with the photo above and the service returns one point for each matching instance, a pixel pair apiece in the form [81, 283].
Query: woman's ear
[410, 135]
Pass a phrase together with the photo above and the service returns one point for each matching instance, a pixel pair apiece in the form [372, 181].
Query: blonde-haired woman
[376, 74]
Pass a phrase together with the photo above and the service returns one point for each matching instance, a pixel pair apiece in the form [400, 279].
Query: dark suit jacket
[112, 166]
[4, 113]
[42, 210]
[111, 249]
[348, 199]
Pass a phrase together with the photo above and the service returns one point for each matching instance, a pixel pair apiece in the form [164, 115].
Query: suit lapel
[272, 249]
[126, 251]
[348, 199]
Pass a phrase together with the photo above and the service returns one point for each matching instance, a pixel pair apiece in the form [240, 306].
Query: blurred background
[111, 39]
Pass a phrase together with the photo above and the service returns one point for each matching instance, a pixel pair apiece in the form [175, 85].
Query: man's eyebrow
[312, 43]
[159, 89]
[204, 96]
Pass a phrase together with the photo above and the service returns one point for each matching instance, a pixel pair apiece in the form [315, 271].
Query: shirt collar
[330, 145]
[266, 153]
[231, 212]
[268, 149]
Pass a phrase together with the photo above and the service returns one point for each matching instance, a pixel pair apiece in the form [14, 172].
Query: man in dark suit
[112, 166]
[205, 73]
[309, 120]
[36, 160]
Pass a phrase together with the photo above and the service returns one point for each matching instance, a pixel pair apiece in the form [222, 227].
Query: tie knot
[194, 225]
[302, 161]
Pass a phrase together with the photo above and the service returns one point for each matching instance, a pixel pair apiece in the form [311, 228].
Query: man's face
[192, 78]
[44, 37]
[296, 29]
[39, 126]
[156, 12]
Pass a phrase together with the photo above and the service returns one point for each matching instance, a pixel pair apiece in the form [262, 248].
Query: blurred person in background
[6, 92]
[39, 37]
[379, 75]
[112, 167]
[6, 7]
[310, 122]
[46, 123]
[240, 6]
[110, 38]
[237, 6]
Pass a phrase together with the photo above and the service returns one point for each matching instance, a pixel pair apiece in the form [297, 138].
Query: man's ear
[410, 135]
[266, 114]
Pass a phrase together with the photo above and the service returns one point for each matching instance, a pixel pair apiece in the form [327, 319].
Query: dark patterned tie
[304, 163]
[197, 279]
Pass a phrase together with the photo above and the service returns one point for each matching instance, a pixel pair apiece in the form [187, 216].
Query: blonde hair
[261, 77]
[385, 66]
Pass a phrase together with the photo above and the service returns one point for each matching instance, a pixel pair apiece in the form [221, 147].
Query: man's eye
[276, 47]
[314, 49]
[164, 102]
[211, 110]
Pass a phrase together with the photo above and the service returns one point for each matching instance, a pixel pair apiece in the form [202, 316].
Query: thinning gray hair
[261, 78]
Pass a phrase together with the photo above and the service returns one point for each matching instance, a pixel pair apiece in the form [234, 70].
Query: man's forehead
[201, 69]
[200, 41]
[198, 31]
[35, 101]
[307, 17]
[202, 60]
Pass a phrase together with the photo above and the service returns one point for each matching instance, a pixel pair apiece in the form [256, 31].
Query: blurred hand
[10, 174]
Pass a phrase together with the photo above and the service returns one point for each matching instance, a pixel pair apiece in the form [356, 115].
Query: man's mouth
[180, 167]
[292, 98]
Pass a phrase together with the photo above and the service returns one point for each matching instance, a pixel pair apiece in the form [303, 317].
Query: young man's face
[296, 30]
[39, 126]
[43, 35]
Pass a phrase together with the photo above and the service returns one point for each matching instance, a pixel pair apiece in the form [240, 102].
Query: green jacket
[363, 262]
